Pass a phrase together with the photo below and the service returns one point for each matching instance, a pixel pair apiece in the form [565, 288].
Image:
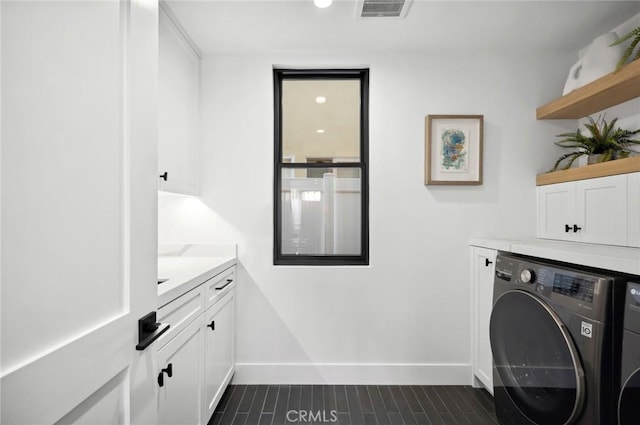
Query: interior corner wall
[405, 319]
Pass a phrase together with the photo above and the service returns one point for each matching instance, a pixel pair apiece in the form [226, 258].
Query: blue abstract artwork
[454, 150]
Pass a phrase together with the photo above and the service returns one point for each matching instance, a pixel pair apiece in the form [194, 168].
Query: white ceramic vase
[598, 60]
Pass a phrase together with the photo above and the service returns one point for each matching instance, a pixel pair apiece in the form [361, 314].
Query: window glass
[321, 118]
[321, 175]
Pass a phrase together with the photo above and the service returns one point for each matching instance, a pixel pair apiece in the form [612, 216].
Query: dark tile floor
[354, 405]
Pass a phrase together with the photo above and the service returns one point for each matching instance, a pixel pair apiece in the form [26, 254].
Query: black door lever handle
[168, 370]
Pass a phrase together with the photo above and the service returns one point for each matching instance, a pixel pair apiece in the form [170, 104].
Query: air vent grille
[383, 8]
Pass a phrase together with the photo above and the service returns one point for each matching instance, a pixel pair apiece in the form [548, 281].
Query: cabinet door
[179, 397]
[633, 208]
[219, 351]
[601, 210]
[556, 207]
[178, 109]
[482, 280]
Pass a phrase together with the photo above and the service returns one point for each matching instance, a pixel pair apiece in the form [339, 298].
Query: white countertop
[185, 273]
[616, 258]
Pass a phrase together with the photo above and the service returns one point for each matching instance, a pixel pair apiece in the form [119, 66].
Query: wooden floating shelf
[607, 91]
[603, 169]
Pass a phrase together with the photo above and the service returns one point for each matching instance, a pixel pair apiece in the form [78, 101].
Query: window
[321, 191]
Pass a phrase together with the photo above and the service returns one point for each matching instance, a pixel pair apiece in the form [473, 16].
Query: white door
[601, 210]
[556, 210]
[219, 350]
[78, 226]
[483, 275]
[178, 109]
[180, 394]
[633, 209]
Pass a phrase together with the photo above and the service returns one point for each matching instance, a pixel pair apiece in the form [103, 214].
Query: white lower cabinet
[180, 379]
[219, 350]
[483, 268]
[196, 356]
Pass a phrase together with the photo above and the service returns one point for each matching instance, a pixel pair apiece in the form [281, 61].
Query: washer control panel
[546, 279]
[579, 287]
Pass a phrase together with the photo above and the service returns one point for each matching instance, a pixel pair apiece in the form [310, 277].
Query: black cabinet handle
[220, 288]
[212, 325]
[487, 262]
[168, 370]
[164, 176]
[567, 228]
[149, 330]
[576, 228]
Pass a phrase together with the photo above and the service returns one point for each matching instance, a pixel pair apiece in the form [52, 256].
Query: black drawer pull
[487, 262]
[169, 372]
[149, 330]
[212, 325]
[220, 288]
[567, 228]
[576, 228]
[164, 176]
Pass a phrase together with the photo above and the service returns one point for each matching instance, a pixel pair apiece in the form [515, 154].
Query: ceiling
[241, 26]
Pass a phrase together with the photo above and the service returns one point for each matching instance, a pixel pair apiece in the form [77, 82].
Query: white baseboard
[352, 373]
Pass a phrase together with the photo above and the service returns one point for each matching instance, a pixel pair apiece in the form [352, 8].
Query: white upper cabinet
[178, 108]
[602, 210]
[633, 208]
[556, 208]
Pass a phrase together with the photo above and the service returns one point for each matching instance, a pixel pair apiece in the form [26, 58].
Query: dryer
[629, 401]
[556, 337]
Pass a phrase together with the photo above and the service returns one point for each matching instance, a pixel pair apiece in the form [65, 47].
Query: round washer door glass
[536, 359]
[629, 400]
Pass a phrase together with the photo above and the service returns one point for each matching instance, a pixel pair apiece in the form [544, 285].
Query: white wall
[406, 317]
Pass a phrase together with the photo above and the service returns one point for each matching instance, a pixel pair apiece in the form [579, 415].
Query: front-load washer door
[629, 400]
[536, 359]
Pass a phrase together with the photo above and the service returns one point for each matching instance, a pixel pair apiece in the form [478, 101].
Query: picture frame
[453, 149]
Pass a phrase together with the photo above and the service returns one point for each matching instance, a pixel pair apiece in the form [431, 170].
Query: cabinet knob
[487, 262]
[212, 325]
[576, 228]
[168, 370]
[164, 176]
[567, 228]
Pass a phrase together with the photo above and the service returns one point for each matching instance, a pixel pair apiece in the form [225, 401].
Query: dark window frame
[321, 260]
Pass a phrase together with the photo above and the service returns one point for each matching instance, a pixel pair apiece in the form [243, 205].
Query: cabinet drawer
[180, 312]
[219, 285]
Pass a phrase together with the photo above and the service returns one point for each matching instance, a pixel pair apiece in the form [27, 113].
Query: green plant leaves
[629, 50]
[605, 139]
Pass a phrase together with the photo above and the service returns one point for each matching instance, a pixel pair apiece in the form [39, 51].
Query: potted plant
[604, 143]
[635, 34]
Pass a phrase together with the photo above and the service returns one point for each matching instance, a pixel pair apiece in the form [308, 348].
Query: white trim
[164, 7]
[353, 373]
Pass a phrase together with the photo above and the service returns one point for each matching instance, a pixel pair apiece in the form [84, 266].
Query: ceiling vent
[382, 8]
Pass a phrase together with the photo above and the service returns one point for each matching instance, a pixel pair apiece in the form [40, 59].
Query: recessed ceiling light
[321, 99]
[320, 131]
[322, 3]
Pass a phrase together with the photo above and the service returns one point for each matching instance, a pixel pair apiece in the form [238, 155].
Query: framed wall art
[453, 149]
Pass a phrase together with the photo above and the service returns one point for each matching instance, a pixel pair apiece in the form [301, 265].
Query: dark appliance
[556, 333]
[629, 402]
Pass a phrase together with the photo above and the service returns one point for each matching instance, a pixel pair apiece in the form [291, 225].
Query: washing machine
[556, 336]
[629, 401]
